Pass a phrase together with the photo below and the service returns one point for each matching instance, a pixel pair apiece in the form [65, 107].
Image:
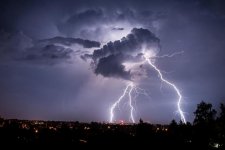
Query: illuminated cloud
[108, 61]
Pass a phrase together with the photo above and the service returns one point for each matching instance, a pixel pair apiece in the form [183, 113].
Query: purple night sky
[72, 59]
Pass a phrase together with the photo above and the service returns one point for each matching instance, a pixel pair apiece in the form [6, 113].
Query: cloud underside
[19, 47]
[108, 60]
[71, 41]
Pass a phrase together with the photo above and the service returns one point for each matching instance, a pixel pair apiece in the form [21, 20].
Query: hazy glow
[132, 65]
[149, 53]
[113, 34]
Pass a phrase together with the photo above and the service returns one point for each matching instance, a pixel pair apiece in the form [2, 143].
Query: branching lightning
[129, 90]
[170, 84]
[171, 55]
[132, 88]
[130, 104]
[119, 100]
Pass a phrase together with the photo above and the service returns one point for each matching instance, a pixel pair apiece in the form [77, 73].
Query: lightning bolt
[137, 90]
[170, 84]
[128, 89]
[171, 55]
[130, 104]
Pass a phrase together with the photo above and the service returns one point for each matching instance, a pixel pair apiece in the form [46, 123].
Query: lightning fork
[170, 84]
[119, 100]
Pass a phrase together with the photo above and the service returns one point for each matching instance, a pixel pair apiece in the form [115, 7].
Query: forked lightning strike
[131, 87]
[171, 55]
[119, 100]
[131, 105]
[170, 84]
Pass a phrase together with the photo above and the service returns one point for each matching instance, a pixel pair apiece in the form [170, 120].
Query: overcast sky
[71, 60]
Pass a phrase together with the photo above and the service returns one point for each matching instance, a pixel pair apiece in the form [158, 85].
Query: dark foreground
[182, 136]
[206, 133]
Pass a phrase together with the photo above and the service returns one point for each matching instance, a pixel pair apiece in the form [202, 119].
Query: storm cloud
[108, 61]
[71, 41]
[48, 54]
[20, 47]
[114, 23]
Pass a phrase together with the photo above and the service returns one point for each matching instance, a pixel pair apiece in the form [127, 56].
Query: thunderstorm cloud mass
[110, 58]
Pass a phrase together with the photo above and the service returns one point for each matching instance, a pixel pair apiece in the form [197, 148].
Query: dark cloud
[107, 21]
[10, 42]
[111, 66]
[12, 45]
[108, 61]
[71, 41]
[88, 15]
[18, 46]
[49, 54]
[116, 28]
[79, 22]
[132, 44]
